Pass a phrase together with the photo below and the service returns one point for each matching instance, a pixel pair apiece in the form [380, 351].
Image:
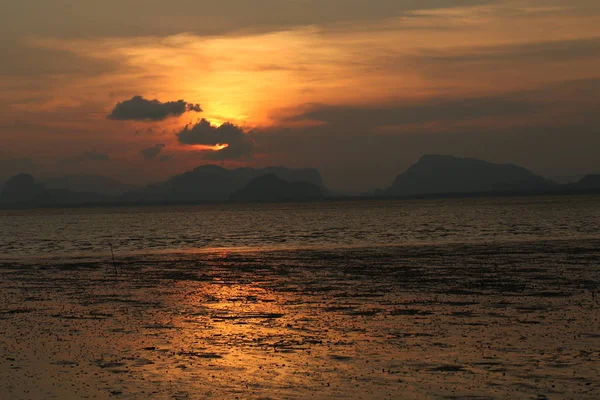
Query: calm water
[445, 299]
[88, 232]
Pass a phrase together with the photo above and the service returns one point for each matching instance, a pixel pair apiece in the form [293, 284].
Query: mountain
[432, 174]
[214, 183]
[589, 182]
[270, 188]
[89, 184]
[209, 183]
[21, 188]
[64, 197]
[438, 174]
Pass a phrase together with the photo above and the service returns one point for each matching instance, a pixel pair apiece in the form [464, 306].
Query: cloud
[25, 59]
[436, 110]
[558, 50]
[139, 109]
[113, 17]
[553, 130]
[238, 143]
[152, 152]
[85, 157]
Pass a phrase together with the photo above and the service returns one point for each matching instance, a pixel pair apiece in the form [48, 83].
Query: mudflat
[510, 320]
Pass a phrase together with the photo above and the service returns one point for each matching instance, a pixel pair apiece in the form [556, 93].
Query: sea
[90, 232]
[478, 298]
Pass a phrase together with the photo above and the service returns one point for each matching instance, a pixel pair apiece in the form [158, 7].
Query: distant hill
[64, 197]
[270, 188]
[589, 182]
[21, 188]
[89, 184]
[441, 174]
[214, 183]
[209, 183]
[431, 175]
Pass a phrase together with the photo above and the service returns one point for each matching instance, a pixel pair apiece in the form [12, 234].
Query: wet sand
[478, 321]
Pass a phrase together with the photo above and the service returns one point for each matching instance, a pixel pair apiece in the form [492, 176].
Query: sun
[205, 147]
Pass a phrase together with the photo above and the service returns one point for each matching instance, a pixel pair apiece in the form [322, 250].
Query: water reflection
[424, 322]
[138, 231]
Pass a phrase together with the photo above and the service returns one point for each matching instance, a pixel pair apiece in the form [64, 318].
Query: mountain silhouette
[589, 182]
[65, 197]
[442, 174]
[270, 188]
[21, 188]
[89, 184]
[438, 175]
[214, 183]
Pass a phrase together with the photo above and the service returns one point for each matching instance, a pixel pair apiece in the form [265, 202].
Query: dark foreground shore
[501, 321]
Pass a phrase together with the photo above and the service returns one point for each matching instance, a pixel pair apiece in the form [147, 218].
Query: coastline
[430, 322]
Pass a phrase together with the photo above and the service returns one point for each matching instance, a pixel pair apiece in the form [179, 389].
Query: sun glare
[204, 147]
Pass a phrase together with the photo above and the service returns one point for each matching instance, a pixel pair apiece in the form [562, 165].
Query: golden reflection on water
[370, 324]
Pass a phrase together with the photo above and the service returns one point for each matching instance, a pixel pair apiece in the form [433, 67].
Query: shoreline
[161, 254]
[327, 199]
[463, 321]
[428, 323]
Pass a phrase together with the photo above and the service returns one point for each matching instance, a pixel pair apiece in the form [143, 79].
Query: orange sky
[58, 88]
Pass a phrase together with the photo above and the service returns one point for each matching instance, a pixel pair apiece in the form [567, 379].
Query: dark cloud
[85, 157]
[152, 152]
[541, 51]
[553, 130]
[156, 18]
[359, 161]
[139, 109]
[23, 60]
[238, 143]
[578, 97]
[431, 111]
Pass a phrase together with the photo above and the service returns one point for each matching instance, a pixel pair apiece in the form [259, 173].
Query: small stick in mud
[113, 258]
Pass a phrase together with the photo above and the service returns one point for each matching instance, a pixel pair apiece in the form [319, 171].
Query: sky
[360, 89]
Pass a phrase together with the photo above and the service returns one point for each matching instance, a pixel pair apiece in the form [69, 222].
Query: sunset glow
[300, 199]
[282, 82]
[202, 147]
